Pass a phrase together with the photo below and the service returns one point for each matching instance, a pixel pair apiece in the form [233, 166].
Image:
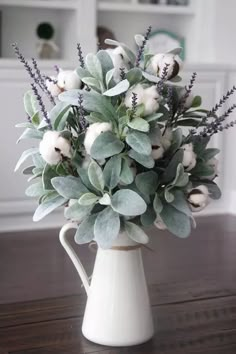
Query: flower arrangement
[125, 145]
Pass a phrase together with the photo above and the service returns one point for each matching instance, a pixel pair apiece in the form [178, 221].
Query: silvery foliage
[122, 184]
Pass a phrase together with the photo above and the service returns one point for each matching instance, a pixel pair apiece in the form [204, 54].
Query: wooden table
[192, 288]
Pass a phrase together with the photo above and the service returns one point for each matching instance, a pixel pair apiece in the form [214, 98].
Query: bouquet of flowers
[124, 145]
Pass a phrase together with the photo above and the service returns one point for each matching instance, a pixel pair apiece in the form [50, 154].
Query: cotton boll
[174, 65]
[52, 87]
[139, 91]
[120, 61]
[157, 152]
[159, 223]
[68, 80]
[198, 198]
[189, 101]
[150, 100]
[93, 131]
[53, 148]
[189, 158]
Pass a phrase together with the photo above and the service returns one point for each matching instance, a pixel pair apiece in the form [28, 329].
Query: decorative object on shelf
[46, 47]
[159, 2]
[102, 34]
[115, 156]
[163, 40]
[178, 2]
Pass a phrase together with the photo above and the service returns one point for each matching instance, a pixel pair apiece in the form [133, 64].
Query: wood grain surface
[192, 286]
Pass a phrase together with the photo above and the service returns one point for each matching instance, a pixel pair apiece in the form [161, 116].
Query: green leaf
[58, 115]
[180, 203]
[197, 101]
[25, 155]
[144, 160]
[170, 171]
[181, 178]
[28, 170]
[153, 117]
[95, 175]
[177, 138]
[148, 218]
[30, 104]
[139, 124]
[69, 187]
[77, 212]
[202, 170]
[106, 228]
[134, 76]
[151, 78]
[85, 231]
[139, 39]
[139, 142]
[47, 207]
[38, 161]
[94, 66]
[30, 134]
[35, 190]
[128, 202]
[83, 174]
[188, 122]
[126, 174]
[157, 204]
[136, 233]
[105, 200]
[88, 199]
[48, 174]
[121, 87]
[82, 73]
[210, 153]
[147, 182]
[92, 102]
[177, 223]
[169, 197]
[92, 83]
[109, 76]
[112, 171]
[105, 60]
[25, 125]
[36, 119]
[106, 145]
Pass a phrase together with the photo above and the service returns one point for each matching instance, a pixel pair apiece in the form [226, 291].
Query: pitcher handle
[73, 256]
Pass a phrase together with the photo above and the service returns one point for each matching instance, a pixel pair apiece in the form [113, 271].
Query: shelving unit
[50, 4]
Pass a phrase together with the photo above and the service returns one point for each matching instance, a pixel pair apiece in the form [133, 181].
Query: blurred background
[49, 31]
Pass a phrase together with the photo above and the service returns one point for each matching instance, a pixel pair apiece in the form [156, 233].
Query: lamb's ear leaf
[85, 231]
[147, 182]
[106, 145]
[25, 155]
[134, 76]
[77, 212]
[144, 160]
[120, 88]
[48, 206]
[94, 66]
[127, 202]
[106, 61]
[135, 233]
[177, 223]
[112, 171]
[107, 227]
[139, 142]
[170, 171]
[128, 52]
[69, 187]
[95, 175]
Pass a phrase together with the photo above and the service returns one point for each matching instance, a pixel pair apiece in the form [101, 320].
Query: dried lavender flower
[187, 94]
[41, 104]
[160, 85]
[82, 120]
[122, 73]
[80, 55]
[142, 47]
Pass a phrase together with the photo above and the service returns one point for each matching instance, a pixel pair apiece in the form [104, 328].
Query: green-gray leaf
[157, 204]
[77, 212]
[121, 87]
[135, 233]
[58, 115]
[85, 231]
[35, 190]
[105, 61]
[95, 175]
[94, 66]
[25, 155]
[112, 171]
[128, 202]
[180, 203]
[146, 161]
[48, 174]
[147, 182]
[88, 199]
[30, 134]
[30, 103]
[126, 174]
[139, 124]
[148, 218]
[170, 171]
[106, 145]
[47, 207]
[139, 142]
[106, 228]
[69, 187]
[177, 223]
[134, 76]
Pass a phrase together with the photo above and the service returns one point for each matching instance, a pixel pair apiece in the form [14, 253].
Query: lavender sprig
[188, 89]
[82, 120]
[41, 105]
[142, 47]
[80, 55]
[160, 85]
[134, 103]
[122, 73]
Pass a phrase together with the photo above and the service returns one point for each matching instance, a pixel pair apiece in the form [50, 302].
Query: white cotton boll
[174, 65]
[93, 131]
[198, 198]
[189, 158]
[68, 80]
[157, 152]
[189, 101]
[159, 223]
[120, 61]
[139, 91]
[150, 100]
[156, 61]
[53, 147]
[52, 87]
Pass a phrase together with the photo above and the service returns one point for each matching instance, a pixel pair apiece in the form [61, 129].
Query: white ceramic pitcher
[118, 311]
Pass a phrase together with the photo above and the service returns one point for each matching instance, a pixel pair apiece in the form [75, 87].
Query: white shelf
[146, 8]
[47, 4]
